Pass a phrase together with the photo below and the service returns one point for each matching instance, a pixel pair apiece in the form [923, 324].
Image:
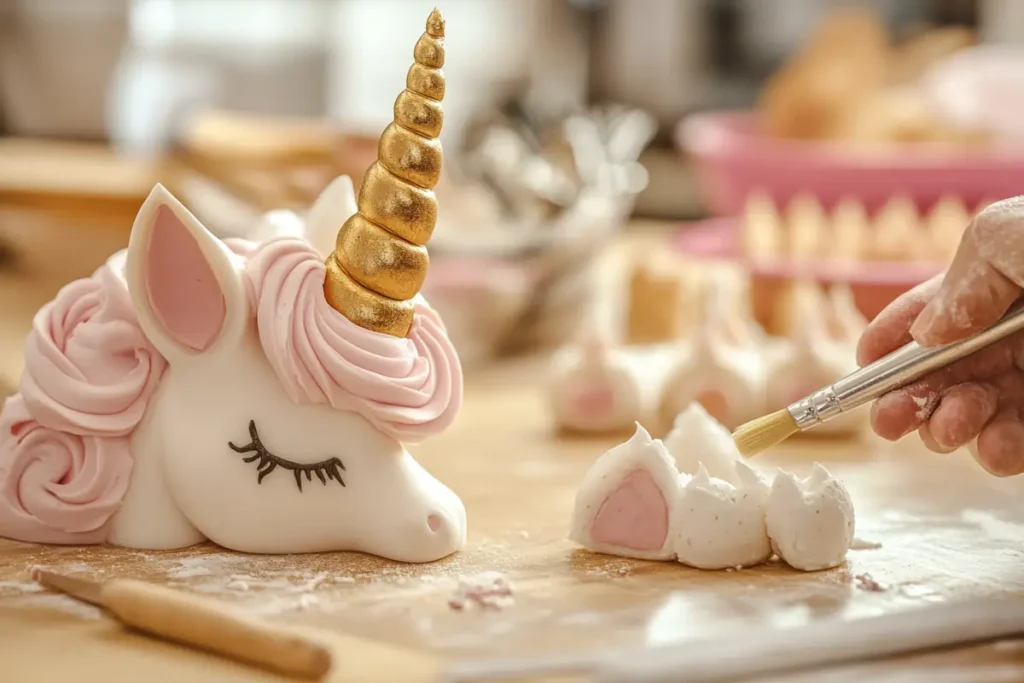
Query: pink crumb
[489, 590]
[35, 572]
[866, 582]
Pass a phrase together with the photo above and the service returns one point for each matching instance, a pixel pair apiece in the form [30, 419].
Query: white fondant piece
[279, 223]
[725, 377]
[697, 440]
[188, 484]
[851, 232]
[846, 322]
[813, 360]
[947, 222]
[762, 229]
[594, 389]
[640, 454]
[805, 223]
[727, 308]
[897, 233]
[810, 521]
[721, 525]
[334, 206]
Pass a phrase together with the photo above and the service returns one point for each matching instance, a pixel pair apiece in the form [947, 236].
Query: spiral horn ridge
[380, 257]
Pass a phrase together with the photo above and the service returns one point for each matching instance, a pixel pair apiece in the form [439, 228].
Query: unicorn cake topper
[247, 392]
[380, 258]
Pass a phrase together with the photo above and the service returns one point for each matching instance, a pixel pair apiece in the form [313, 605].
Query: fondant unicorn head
[199, 389]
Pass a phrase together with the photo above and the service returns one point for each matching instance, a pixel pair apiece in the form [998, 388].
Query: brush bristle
[761, 434]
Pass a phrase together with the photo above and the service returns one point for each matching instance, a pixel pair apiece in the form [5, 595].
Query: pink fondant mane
[90, 372]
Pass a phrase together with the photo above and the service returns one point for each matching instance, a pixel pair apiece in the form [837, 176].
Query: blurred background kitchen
[590, 171]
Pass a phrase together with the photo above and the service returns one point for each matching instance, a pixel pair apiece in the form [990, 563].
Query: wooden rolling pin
[197, 622]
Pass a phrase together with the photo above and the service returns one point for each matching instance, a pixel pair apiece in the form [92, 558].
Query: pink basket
[734, 159]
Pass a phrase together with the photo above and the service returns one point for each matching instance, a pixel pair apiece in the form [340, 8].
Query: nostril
[434, 522]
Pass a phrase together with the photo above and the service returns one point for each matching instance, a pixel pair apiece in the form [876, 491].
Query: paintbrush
[200, 623]
[903, 366]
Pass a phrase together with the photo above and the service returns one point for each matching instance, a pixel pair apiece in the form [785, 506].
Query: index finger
[985, 278]
[891, 328]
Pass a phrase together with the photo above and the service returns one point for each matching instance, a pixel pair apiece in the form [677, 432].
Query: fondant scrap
[627, 500]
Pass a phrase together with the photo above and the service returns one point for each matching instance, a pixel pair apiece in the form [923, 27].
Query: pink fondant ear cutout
[594, 399]
[634, 515]
[184, 282]
[183, 290]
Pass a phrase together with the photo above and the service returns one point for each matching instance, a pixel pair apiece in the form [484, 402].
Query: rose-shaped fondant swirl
[89, 369]
[409, 388]
[57, 487]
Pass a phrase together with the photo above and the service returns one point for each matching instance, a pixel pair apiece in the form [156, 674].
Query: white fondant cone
[762, 228]
[947, 222]
[805, 223]
[897, 233]
[850, 232]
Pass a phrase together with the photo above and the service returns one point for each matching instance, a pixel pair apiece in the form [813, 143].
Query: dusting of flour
[924, 406]
[864, 544]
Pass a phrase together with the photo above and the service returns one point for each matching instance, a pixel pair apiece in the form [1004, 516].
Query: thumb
[985, 278]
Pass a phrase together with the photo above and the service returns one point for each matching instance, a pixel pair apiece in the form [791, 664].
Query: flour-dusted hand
[978, 401]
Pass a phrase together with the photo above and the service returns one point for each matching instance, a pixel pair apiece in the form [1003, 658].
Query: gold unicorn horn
[380, 258]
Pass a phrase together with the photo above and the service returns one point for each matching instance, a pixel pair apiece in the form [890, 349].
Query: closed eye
[267, 462]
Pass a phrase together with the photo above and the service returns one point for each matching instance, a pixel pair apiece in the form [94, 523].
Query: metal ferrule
[819, 407]
[900, 368]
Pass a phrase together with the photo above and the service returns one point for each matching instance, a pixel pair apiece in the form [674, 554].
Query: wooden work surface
[947, 531]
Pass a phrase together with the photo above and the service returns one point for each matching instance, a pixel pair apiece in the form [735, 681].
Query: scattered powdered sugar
[864, 544]
[994, 527]
[19, 587]
[60, 602]
[282, 592]
[190, 567]
[489, 590]
[202, 565]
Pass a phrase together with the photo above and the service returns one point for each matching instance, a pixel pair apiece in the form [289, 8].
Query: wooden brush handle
[214, 627]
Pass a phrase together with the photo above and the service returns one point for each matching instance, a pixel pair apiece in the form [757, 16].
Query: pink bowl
[873, 284]
[734, 159]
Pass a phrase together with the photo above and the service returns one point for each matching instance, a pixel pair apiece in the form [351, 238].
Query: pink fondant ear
[182, 279]
[594, 399]
[634, 515]
[182, 287]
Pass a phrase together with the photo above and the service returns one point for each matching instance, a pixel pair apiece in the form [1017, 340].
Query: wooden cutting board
[947, 531]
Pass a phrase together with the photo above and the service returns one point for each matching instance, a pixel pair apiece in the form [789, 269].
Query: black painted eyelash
[268, 462]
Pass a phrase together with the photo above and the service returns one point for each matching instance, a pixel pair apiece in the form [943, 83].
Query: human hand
[978, 401]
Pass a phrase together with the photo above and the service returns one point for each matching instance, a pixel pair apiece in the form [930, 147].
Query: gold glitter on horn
[380, 258]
